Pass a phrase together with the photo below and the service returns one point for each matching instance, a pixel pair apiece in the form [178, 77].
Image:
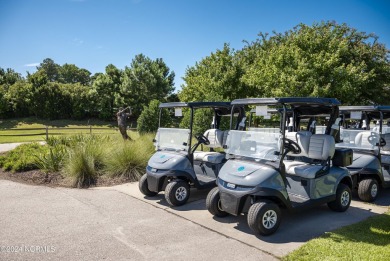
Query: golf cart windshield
[358, 139]
[172, 139]
[253, 144]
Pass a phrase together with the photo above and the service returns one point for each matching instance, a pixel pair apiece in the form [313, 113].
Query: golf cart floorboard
[204, 180]
[297, 200]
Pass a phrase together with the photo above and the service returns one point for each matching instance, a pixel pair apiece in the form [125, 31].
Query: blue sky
[94, 33]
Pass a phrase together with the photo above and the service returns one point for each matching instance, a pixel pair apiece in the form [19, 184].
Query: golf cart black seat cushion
[321, 147]
[366, 139]
[343, 157]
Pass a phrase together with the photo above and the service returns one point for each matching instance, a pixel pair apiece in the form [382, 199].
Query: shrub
[22, 158]
[52, 160]
[148, 120]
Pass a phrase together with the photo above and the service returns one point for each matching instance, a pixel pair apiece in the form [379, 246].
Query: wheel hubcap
[345, 198]
[181, 193]
[374, 190]
[269, 219]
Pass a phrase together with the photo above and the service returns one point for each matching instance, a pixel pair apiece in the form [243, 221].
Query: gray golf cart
[178, 165]
[363, 131]
[295, 170]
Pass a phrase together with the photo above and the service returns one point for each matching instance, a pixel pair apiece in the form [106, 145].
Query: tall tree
[70, 73]
[51, 69]
[144, 81]
[9, 76]
[106, 88]
[216, 77]
[326, 59]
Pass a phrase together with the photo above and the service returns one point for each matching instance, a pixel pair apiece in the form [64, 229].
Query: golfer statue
[122, 116]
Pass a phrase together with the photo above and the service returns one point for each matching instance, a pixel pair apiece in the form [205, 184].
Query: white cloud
[32, 64]
[77, 41]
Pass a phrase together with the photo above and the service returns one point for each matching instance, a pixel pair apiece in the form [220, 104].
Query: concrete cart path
[294, 231]
[43, 223]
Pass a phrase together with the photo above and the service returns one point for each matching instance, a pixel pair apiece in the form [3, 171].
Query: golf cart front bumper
[234, 198]
[156, 178]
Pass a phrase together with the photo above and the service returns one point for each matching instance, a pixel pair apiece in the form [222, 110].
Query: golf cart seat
[386, 149]
[217, 139]
[366, 139]
[320, 148]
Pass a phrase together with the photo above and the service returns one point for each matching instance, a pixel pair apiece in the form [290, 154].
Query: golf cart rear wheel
[213, 203]
[264, 218]
[177, 193]
[343, 199]
[143, 186]
[368, 190]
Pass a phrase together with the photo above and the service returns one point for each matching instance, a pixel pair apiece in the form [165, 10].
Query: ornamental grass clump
[85, 159]
[129, 159]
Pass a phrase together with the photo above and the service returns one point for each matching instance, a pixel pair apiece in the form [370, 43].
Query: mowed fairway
[30, 129]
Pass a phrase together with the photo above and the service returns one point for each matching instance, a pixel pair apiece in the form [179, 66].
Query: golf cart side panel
[252, 174]
[361, 160]
[326, 185]
[207, 169]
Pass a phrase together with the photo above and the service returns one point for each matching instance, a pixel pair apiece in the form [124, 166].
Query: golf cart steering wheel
[382, 142]
[202, 139]
[292, 146]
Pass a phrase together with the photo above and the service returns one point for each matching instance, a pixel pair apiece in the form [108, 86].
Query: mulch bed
[37, 177]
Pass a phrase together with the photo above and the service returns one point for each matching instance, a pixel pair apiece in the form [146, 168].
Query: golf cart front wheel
[143, 186]
[177, 193]
[343, 199]
[264, 218]
[368, 190]
[213, 203]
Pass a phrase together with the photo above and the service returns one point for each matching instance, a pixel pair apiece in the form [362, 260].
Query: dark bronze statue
[122, 121]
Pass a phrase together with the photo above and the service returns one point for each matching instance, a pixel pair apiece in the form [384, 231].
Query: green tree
[51, 69]
[106, 89]
[49, 101]
[9, 76]
[144, 81]
[148, 120]
[19, 98]
[325, 60]
[215, 78]
[70, 73]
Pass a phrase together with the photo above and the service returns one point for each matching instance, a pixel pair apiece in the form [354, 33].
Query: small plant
[52, 160]
[22, 158]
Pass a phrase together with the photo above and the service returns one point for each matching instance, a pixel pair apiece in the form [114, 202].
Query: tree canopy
[326, 59]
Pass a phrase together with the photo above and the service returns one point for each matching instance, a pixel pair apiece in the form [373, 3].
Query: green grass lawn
[17, 130]
[367, 240]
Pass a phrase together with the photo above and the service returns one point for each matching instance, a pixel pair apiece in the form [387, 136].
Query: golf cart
[292, 169]
[178, 165]
[371, 147]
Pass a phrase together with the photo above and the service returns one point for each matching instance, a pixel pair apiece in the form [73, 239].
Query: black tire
[213, 203]
[143, 186]
[177, 193]
[368, 190]
[343, 199]
[264, 218]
